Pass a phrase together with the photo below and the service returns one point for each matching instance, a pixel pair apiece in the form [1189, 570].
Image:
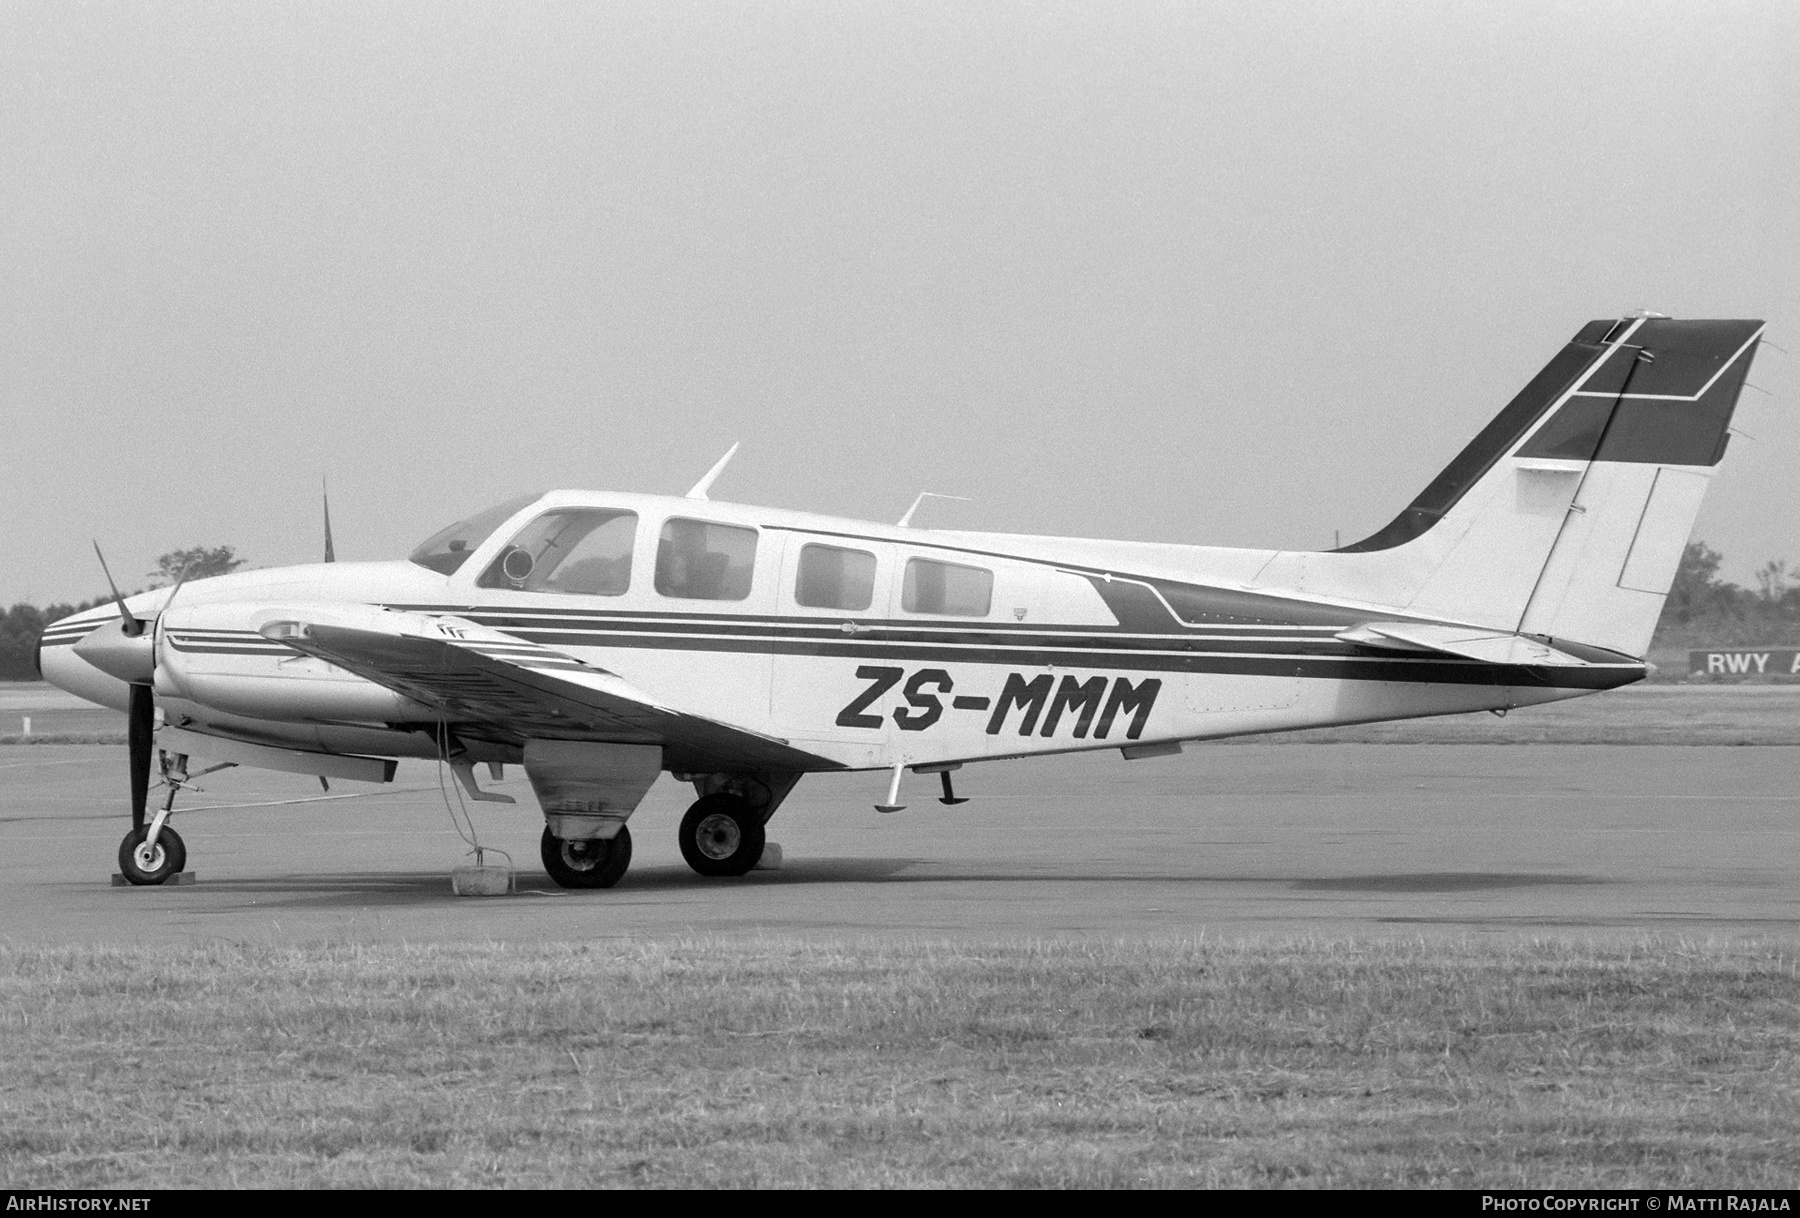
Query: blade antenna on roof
[325, 488]
[905, 522]
[700, 487]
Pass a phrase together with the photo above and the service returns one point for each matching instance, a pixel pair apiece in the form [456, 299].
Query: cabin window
[949, 588]
[832, 577]
[702, 561]
[448, 549]
[573, 551]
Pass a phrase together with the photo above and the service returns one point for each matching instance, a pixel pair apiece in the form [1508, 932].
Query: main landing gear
[594, 863]
[721, 835]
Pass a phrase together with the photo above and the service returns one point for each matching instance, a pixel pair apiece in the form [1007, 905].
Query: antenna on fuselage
[700, 487]
[905, 522]
[325, 486]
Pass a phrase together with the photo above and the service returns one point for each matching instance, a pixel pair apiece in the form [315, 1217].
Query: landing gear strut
[153, 852]
[592, 863]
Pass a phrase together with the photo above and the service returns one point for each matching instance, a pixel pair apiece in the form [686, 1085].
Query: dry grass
[784, 1063]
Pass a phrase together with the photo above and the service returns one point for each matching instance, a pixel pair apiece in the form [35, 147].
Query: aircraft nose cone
[129, 658]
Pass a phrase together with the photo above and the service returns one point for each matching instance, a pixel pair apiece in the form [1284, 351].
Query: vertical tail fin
[1567, 515]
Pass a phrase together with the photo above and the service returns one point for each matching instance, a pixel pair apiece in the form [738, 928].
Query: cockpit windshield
[448, 549]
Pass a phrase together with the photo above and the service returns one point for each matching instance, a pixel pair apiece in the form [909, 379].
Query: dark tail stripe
[1664, 397]
[1641, 422]
[1494, 441]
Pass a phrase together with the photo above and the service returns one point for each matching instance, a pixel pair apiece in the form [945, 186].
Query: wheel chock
[482, 880]
[770, 860]
[174, 881]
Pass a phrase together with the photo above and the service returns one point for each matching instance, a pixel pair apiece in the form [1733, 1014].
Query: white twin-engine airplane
[601, 639]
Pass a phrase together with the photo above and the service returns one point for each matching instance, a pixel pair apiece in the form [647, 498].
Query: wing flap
[475, 673]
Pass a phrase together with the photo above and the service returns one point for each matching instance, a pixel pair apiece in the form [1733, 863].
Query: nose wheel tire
[721, 835]
[595, 863]
[141, 864]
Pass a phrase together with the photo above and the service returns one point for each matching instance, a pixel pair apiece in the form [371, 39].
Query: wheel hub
[583, 856]
[718, 836]
[149, 858]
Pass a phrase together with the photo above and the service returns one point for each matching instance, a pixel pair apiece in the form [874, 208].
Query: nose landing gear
[154, 853]
[143, 861]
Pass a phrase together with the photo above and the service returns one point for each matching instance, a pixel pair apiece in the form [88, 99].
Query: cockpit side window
[572, 551]
[699, 560]
[447, 549]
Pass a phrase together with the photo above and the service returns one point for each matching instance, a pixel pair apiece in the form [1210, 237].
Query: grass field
[772, 1062]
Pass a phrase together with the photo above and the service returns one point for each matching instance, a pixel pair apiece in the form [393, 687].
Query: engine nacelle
[213, 655]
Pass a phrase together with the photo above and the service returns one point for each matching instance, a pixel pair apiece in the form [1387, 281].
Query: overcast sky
[1239, 274]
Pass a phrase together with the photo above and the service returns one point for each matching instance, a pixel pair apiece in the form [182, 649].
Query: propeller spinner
[122, 649]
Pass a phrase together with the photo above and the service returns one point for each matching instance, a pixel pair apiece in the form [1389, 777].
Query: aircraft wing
[1470, 642]
[481, 675]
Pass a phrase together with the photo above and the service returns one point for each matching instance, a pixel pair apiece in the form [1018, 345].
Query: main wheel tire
[153, 866]
[595, 863]
[721, 835]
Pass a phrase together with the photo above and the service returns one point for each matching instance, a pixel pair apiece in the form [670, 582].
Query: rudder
[1647, 429]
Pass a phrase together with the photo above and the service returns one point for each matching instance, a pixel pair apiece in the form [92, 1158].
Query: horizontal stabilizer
[1470, 642]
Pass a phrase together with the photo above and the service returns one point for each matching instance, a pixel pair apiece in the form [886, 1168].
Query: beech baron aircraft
[601, 639]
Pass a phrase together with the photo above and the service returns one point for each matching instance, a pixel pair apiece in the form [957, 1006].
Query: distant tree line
[21, 625]
[1706, 611]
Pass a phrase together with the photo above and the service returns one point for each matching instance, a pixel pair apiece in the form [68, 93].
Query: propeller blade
[130, 625]
[140, 728]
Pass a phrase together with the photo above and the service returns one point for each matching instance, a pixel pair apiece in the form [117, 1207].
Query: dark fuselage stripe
[1421, 670]
[1426, 669]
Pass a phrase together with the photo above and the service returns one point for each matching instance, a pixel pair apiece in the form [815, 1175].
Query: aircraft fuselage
[938, 647]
